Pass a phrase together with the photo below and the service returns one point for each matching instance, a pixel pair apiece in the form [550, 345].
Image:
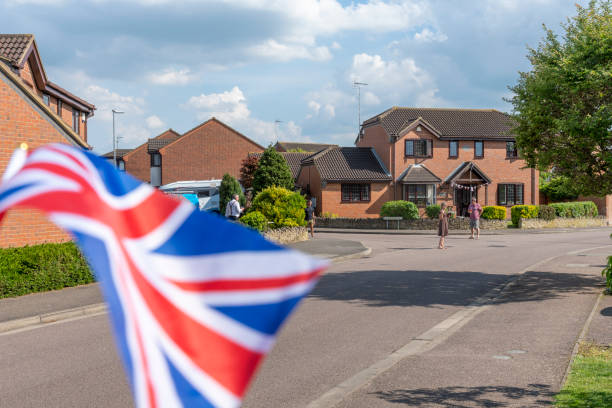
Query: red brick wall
[206, 152]
[138, 161]
[19, 122]
[332, 201]
[309, 179]
[26, 74]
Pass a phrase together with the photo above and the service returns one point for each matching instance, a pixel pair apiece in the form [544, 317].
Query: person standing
[233, 210]
[475, 210]
[310, 217]
[442, 225]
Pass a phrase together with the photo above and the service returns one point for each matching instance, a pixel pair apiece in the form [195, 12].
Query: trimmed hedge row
[433, 211]
[400, 208]
[40, 268]
[523, 211]
[493, 212]
[575, 209]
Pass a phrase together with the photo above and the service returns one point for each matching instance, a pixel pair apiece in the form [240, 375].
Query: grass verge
[40, 268]
[589, 383]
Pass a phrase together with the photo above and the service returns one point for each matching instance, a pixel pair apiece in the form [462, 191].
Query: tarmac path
[405, 326]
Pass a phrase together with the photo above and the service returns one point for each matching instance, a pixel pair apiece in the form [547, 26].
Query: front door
[463, 198]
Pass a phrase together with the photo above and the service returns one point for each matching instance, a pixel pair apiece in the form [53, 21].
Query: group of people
[474, 209]
[233, 210]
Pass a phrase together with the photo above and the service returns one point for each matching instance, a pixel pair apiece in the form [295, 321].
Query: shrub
[327, 214]
[280, 206]
[560, 188]
[247, 171]
[405, 209]
[546, 212]
[493, 212]
[229, 186]
[432, 211]
[523, 211]
[255, 220]
[607, 273]
[41, 268]
[575, 209]
[272, 170]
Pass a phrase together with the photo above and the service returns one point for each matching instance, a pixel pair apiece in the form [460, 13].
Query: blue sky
[176, 63]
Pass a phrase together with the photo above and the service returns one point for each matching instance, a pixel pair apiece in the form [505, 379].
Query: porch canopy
[467, 173]
[418, 174]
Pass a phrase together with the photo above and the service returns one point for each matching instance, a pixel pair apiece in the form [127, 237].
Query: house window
[155, 159]
[420, 194]
[511, 151]
[418, 148]
[59, 107]
[45, 98]
[510, 194]
[453, 148]
[479, 148]
[75, 120]
[355, 192]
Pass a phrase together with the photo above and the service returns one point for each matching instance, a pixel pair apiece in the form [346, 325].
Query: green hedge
[575, 209]
[405, 209]
[523, 211]
[41, 268]
[433, 211]
[255, 220]
[281, 206]
[493, 212]
[547, 213]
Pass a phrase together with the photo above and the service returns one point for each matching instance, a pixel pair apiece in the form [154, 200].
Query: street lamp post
[115, 111]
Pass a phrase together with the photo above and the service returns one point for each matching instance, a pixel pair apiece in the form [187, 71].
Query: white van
[206, 191]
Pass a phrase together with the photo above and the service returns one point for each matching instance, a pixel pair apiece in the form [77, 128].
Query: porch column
[486, 194]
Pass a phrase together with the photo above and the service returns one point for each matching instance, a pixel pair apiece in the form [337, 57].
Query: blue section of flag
[207, 234]
[11, 191]
[116, 182]
[97, 256]
[189, 396]
[264, 318]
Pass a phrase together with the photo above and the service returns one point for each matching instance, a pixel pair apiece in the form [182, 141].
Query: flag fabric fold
[195, 301]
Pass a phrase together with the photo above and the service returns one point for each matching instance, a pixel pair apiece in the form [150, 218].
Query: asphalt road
[365, 313]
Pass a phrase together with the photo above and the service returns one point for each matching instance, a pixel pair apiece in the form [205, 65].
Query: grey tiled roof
[120, 153]
[450, 123]
[306, 147]
[156, 144]
[348, 164]
[418, 173]
[294, 160]
[14, 46]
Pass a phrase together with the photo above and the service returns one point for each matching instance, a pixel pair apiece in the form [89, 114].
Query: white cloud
[427, 36]
[231, 107]
[154, 122]
[368, 98]
[330, 110]
[335, 46]
[172, 76]
[271, 49]
[106, 100]
[315, 107]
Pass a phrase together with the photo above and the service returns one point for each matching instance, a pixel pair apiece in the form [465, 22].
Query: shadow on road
[434, 288]
[535, 395]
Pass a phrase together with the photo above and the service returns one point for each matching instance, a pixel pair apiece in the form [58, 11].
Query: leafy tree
[247, 171]
[560, 188]
[563, 106]
[229, 187]
[273, 170]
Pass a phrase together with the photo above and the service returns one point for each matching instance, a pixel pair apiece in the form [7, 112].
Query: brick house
[301, 147]
[432, 156]
[205, 152]
[35, 111]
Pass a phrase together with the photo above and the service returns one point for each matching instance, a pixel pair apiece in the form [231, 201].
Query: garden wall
[287, 235]
[459, 223]
[533, 223]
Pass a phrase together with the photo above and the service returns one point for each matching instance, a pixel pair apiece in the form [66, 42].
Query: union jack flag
[195, 301]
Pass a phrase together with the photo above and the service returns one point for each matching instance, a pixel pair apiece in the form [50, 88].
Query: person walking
[310, 217]
[475, 210]
[442, 225]
[233, 210]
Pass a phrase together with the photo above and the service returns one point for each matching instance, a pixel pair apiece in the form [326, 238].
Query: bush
[272, 170]
[327, 214]
[41, 268]
[229, 186]
[560, 188]
[405, 209]
[575, 209]
[607, 273]
[523, 211]
[493, 212]
[255, 220]
[433, 211]
[280, 206]
[547, 213]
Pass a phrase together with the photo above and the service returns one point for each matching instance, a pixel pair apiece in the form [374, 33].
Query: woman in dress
[442, 225]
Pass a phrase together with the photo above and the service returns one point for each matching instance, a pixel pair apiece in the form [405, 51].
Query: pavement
[506, 231]
[48, 307]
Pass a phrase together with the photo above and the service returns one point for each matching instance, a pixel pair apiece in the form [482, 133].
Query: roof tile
[14, 46]
[349, 164]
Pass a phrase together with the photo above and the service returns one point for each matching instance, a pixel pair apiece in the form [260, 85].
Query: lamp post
[115, 111]
[358, 85]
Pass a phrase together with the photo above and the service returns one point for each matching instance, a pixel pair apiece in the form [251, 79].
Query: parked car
[203, 192]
